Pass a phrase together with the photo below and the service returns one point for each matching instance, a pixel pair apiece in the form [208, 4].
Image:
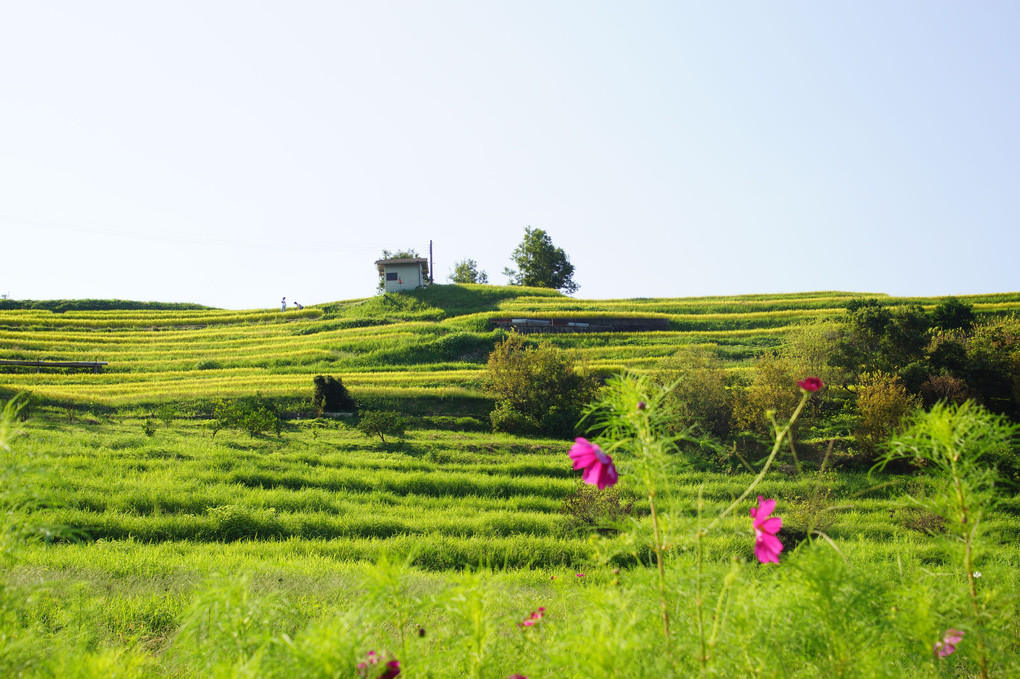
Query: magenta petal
[609, 477]
[583, 453]
[765, 508]
[770, 525]
[767, 548]
[591, 474]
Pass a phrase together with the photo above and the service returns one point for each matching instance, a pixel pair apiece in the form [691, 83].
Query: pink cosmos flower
[390, 670]
[598, 467]
[533, 617]
[766, 545]
[579, 575]
[947, 646]
[811, 384]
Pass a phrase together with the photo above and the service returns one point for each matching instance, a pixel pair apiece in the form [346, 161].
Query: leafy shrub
[952, 314]
[773, 388]
[877, 337]
[506, 418]
[331, 395]
[149, 427]
[209, 364]
[166, 413]
[255, 416]
[538, 389]
[921, 520]
[699, 397]
[809, 349]
[589, 508]
[993, 365]
[380, 423]
[452, 423]
[944, 388]
[882, 406]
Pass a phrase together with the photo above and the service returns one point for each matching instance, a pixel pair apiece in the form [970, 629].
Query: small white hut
[406, 273]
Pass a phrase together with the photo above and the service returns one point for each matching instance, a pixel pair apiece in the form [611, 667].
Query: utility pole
[432, 265]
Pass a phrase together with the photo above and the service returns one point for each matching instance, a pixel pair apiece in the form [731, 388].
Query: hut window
[391, 276]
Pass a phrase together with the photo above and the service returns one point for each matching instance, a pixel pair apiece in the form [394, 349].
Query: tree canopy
[466, 271]
[409, 253]
[541, 264]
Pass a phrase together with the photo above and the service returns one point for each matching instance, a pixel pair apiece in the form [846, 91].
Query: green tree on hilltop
[466, 271]
[540, 264]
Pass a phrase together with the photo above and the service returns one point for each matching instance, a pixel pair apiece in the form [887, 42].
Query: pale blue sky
[231, 153]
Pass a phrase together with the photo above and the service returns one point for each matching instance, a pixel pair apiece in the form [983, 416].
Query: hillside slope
[430, 343]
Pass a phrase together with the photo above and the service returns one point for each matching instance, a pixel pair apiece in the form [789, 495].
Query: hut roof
[381, 263]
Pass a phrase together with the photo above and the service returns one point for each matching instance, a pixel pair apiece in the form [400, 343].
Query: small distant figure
[298, 305]
[283, 304]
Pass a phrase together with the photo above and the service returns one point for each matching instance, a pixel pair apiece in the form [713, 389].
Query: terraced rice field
[433, 343]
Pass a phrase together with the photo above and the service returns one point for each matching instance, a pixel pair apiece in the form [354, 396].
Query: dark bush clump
[331, 396]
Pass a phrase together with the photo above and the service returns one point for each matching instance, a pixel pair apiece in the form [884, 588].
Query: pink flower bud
[810, 384]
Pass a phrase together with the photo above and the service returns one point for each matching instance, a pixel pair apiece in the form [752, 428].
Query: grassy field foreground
[184, 554]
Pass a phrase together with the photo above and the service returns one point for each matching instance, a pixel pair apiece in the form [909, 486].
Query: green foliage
[960, 446]
[471, 529]
[882, 406]
[540, 264]
[149, 427]
[382, 423]
[538, 389]
[589, 509]
[409, 253]
[228, 627]
[9, 416]
[809, 348]
[466, 271]
[992, 368]
[963, 445]
[773, 389]
[256, 416]
[953, 314]
[876, 337]
[699, 397]
[209, 364]
[166, 413]
[331, 395]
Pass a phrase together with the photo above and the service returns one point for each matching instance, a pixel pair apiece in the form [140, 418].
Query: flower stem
[662, 572]
[699, 602]
[781, 433]
[968, 564]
